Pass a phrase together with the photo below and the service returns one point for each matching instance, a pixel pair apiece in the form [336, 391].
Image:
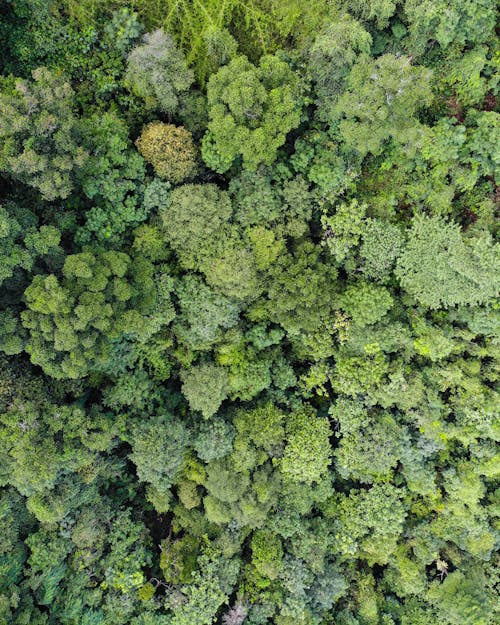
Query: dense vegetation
[249, 326]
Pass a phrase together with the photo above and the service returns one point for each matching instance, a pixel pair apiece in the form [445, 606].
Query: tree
[465, 77]
[369, 522]
[267, 553]
[14, 254]
[441, 268]
[203, 314]
[370, 445]
[365, 303]
[236, 615]
[262, 428]
[178, 559]
[232, 266]
[170, 149]
[238, 497]
[72, 321]
[112, 179]
[307, 451]
[331, 57]
[251, 110]
[484, 136]
[40, 440]
[299, 298]
[405, 575]
[343, 230]
[39, 132]
[460, 23]
[321, 159]
[461, 598]
[193, 219]
[157, 72]
[159, 447]
[382, 244]
[210, 587]
[374, 10]
[380, 102]
[261, 201]
[205, 387]
[214, 439]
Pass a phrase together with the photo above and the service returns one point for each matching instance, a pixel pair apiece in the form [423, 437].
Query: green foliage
[260, 26]
[377, 10]
[343, 230]
[258, 203]
[370, 445]
[192, 219]
[251, 110]
[307, 452]
[214, 440]
[42, 442]
[178, 559]
[72, 321]
[382, 244]
[463, 22]
[462, 599]
[262, 427]
[170, 149]
[14, 254]
[370, 520]
[380, 102]
[208, 590]
[365, 303]
[464, 76]
[440, 267]
[332, 56]
[111, 178]
[294, 277]
[267, 553]
[484, 143]
[157, 72]
[158, 458]
[203, 314]
[262, 389]
[38, 128]
[205, 387]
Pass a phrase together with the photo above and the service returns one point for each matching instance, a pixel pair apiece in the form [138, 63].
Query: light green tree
[380, 102]
[251, 110]
[441, 268]
[205, 387]
[307, 452]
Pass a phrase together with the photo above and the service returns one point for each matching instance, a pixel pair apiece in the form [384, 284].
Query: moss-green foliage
[205, 387]
[331, 57]
[170, 150]
[464, 22]
[73, 321]
[112, 179]
[249, 314]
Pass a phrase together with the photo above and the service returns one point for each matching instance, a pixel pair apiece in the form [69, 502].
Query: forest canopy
[249, 314]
